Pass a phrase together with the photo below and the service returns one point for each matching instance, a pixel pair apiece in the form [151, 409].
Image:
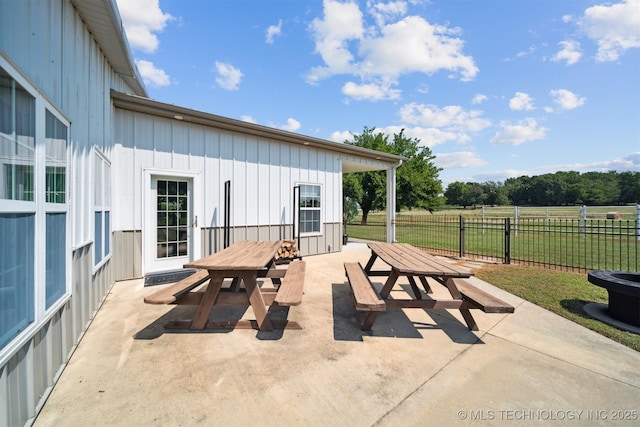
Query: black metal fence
[561, 243]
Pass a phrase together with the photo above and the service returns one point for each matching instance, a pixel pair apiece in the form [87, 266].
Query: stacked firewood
[288, 250]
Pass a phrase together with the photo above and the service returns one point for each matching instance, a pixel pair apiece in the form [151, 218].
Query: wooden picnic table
[406, 260]
[243, 262]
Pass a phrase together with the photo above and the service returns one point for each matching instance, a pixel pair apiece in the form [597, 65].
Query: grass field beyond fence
[561, 243]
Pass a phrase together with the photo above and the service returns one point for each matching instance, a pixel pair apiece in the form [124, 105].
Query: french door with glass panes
[170, 221]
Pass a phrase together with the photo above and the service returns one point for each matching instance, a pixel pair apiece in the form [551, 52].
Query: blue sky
[496, 89]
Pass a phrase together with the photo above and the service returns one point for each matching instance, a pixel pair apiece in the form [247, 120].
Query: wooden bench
[291, 289]
[171, 294]
[481, 300]
[365, 296]
[477, 299]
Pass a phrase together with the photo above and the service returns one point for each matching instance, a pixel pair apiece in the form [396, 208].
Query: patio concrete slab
[415, 368]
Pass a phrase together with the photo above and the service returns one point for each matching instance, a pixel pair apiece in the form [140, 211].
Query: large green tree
[418, 185]
[417, 180]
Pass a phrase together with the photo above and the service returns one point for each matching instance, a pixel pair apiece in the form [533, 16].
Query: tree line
[418, 185]
[552, 189]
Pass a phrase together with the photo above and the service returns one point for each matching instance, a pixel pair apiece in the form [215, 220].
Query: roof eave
[170, 111]
[112, 39]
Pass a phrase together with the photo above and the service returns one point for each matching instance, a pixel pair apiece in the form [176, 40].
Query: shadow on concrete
[393, 323]
[224, 313]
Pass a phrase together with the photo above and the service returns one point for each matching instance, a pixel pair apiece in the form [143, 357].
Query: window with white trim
[34, 255]
[102, 208]
[310, 203]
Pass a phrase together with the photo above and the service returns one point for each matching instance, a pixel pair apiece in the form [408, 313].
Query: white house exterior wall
[262, 172]
[48, 43]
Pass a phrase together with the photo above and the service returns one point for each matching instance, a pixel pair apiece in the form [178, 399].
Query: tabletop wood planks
[407, 259]
[243, 255]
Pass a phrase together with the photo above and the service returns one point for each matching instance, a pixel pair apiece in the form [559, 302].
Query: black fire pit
[624, 294]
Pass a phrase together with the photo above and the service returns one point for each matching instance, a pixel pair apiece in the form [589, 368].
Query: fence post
[507, 240]
[461, 249]
[637, 222]
[546, 221]
[516, 214]
[583, 221]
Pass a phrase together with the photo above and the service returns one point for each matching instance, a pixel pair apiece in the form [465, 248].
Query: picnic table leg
[384, 293]
[369, 265]
[425, 285]
[414, 287]
[391, 280]
[369, 320]
[275, 280]
[235, 285]
[256, 300]
[208, 300]
[466, 314]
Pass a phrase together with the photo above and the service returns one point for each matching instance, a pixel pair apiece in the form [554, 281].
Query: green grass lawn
[561, 292]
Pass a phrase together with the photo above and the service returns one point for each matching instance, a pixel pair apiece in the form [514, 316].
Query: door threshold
[164, 277]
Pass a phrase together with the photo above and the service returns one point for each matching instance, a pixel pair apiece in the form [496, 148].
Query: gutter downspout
[391, 202]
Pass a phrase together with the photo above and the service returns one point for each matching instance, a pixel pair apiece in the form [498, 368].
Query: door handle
[195, 221]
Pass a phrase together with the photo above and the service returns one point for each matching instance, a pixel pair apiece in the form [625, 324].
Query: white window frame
[102, 204]
[39, 207]
[319, 209]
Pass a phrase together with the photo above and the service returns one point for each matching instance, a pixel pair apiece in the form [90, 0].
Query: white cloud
[292, 125]
[501, 175]
[452, 117]
[566, 99]
[630, 162]
[141, 20]
[384, 51]
[521, 101]
[414, 45]
[479, 98]
[429, 137]
[341, 136]
[342, 22]
[273, 31]
[228, 76]
[370, 91]
[382, 12]
[614, 27]
[248, 119]
[518, 133]
[461, 159]
[569, 52]
[151, 75]
[530, 51]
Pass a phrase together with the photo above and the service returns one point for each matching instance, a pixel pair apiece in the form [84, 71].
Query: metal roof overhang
[104, 23]
[170, 111]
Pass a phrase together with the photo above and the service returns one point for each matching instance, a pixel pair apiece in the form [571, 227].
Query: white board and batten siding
[262, 172]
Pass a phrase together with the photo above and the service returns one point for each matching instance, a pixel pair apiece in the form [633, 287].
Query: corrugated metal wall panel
[127, 254]
[52, 47]
[5, 392]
